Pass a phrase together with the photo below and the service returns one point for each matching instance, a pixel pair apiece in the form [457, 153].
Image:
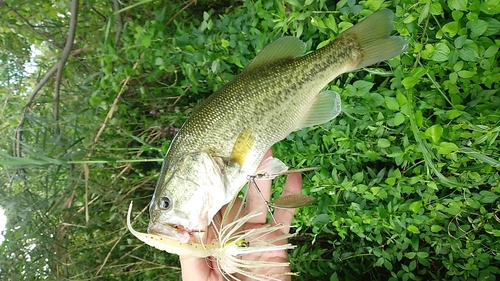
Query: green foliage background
[409, 182]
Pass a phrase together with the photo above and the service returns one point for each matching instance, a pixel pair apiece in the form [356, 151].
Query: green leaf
[159, 61]
[330, 23]
[146, 41]
[473, 203]
[491, 51]
[441, 52]
[410, 82]
[457, 15]
[377, 99]
[451, 28]
[392, 103]
[383, 143]
[436, 8]
[490, 7]
[334, 277]
[458, 66]
[452, 114]
[379, 262]
[321, 220]
[95, 100]
[436, 228]
[363, 86]
[422, 255]
[434, 132]
[413, 265]
[493, 26]
[424, 13]
[486, 197]
[460, 41]
[295, 3]
[432, 185]
[423, 261]
[415, 206]
[453, 77]
[460, 5]
[447, 148]
[402, 100]
[468, 54]
[399, 118]
[469, 51]
[358, 177]
[419, 118]
[466, 74]
[477, 28]
[374, 5]
[206, 16]
[388, 265]
[413, 229]
[224, 43]
[453, 208]
[418, 72]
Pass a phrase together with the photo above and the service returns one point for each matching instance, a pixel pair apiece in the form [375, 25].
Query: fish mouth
[178, 232]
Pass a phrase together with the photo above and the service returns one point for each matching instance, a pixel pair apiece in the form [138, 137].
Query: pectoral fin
[242, 147]
[270, 168]
[326, 107]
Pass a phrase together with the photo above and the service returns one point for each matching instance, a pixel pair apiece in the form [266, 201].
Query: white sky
[3, 221]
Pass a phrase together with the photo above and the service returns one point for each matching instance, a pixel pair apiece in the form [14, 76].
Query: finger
[293, 185]
[194, 268]
[254, 198]
[230, 212]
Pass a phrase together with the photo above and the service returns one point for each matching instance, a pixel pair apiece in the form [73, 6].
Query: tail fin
[373, 37]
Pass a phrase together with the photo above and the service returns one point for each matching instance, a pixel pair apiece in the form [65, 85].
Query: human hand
[194, 268]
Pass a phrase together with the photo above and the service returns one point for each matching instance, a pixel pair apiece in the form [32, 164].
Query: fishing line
[272, 176]
[252, 180]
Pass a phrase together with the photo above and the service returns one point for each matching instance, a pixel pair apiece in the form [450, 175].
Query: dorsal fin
[286, 47]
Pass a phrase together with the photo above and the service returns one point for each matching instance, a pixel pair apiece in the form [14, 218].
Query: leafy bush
[409, 182]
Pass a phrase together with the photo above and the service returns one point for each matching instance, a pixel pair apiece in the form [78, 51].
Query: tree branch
[64, 58]
[58, 67]
[180, 11]
[119, 21]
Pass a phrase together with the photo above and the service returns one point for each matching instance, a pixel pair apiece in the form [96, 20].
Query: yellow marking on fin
[242, 147]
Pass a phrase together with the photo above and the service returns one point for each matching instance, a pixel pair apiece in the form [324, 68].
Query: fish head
[188, 195]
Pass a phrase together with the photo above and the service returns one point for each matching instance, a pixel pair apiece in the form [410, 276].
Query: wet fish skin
[275, 95]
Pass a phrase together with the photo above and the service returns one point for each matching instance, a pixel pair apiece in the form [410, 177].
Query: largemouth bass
[224, 140]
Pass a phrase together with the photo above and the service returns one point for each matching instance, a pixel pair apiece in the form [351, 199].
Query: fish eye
[164, 203]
